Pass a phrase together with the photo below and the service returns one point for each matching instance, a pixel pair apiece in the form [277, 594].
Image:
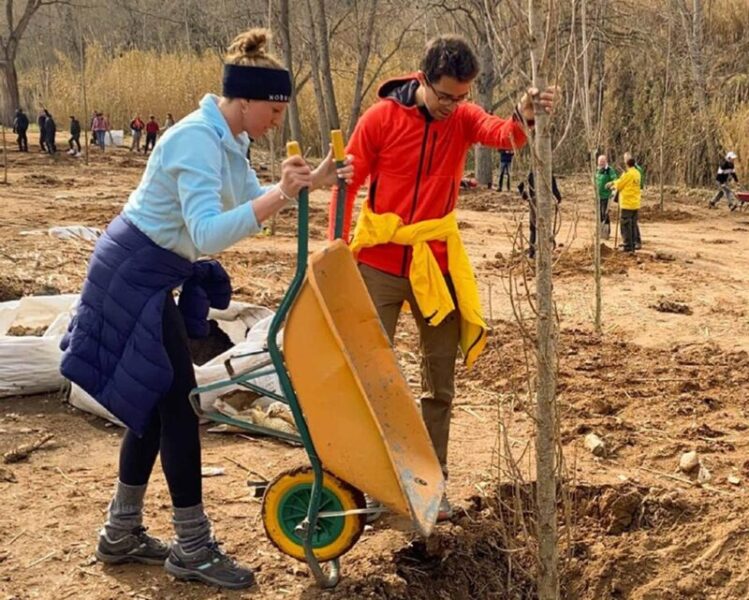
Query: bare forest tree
[17, 19]
[284, 30]
[346, 47]
[540, 17]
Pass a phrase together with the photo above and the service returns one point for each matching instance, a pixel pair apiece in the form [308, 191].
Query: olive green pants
[439, 349]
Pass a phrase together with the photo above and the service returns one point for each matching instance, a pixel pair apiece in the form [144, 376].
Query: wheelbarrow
[743, 198]
[356, 416]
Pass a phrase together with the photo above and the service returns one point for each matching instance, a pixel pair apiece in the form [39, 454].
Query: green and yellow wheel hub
[285, 505]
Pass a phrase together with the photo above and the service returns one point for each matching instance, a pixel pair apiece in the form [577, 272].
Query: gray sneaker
[137, 546]
[210, 565]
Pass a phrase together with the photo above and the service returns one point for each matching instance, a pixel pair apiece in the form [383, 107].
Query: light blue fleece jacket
[195, 195]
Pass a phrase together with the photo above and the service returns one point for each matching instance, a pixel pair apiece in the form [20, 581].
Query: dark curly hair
[449, 55]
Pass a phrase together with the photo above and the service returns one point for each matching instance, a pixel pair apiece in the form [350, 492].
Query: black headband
[256, 83]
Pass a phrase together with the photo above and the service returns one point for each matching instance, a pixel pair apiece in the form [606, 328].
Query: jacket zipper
[416, 194]
[431, 154]
[372, 193]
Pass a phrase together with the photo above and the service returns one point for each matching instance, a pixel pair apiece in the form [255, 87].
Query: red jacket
[152, 127]
[415, 164]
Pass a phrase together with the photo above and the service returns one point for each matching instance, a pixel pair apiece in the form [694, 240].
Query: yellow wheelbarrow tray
[364, 422]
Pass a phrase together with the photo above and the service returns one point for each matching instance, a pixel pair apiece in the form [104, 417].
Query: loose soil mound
[483, 200]
[651, 213]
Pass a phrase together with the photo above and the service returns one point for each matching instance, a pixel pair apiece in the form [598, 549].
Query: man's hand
[548, 99]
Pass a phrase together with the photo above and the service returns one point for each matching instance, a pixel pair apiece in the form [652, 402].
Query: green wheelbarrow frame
[244, 379]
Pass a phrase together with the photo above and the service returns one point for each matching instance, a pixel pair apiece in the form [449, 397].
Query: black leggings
[173, 429]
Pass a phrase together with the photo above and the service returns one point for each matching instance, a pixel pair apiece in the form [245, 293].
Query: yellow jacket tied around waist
[427, 281]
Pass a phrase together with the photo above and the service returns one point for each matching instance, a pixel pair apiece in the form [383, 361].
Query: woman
[99, 128]
[128, 343]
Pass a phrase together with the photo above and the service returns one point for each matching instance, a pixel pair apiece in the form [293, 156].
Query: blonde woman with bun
[127, 345]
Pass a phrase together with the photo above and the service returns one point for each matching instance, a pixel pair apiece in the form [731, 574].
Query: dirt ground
[653, 385]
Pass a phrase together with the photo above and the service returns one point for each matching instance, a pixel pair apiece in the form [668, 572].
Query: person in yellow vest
[629, 197]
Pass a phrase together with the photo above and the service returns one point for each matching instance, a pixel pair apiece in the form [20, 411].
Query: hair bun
[251, 43]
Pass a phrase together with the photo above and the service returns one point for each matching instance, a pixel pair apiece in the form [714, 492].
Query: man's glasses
[446, 99]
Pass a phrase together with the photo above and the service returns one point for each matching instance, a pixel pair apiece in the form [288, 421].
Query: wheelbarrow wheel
[285, 505]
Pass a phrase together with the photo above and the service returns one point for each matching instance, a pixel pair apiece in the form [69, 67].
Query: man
[40, 123]
[152, 130]
[726, 171]
[20, 126]
[505, 163]
[136, 129]
[412, 144]
[529, 196]
[49, 131]
[75, 137]
[638, 166]
[629, 195]
[605, 174]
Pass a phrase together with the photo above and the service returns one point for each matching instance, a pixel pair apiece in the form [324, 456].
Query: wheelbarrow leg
[306, 531]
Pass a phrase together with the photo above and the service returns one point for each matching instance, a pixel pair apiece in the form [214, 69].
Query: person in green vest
[605, 174]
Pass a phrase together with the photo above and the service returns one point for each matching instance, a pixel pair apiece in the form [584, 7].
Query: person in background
[136, 129]
[20, 126]
[40, 123]
[168, 122]
[49, 132]
[99, 128]
[726, 171]
[75, 137]
[529, 196]
[605, 174]
[641, 170]
[152, 130]
[92, 141]
[629, 196]
[505, 164]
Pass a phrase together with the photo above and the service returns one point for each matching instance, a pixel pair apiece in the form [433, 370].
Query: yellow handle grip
[293, 149]
[339, 150]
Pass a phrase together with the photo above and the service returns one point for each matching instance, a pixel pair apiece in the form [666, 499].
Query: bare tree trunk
[693, 25]
[664, 106]
[285, 32]
[365, 48]
[322, 114]
[84, 117]
[485, 98]
[14, 28]
[548, 577]
[320, 23]
[8, 91]
[5, 156]
[587, 117]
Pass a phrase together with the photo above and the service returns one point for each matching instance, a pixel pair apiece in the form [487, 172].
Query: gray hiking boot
[373, 503]
[445, 511]
[137, 546]
[210, 565]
